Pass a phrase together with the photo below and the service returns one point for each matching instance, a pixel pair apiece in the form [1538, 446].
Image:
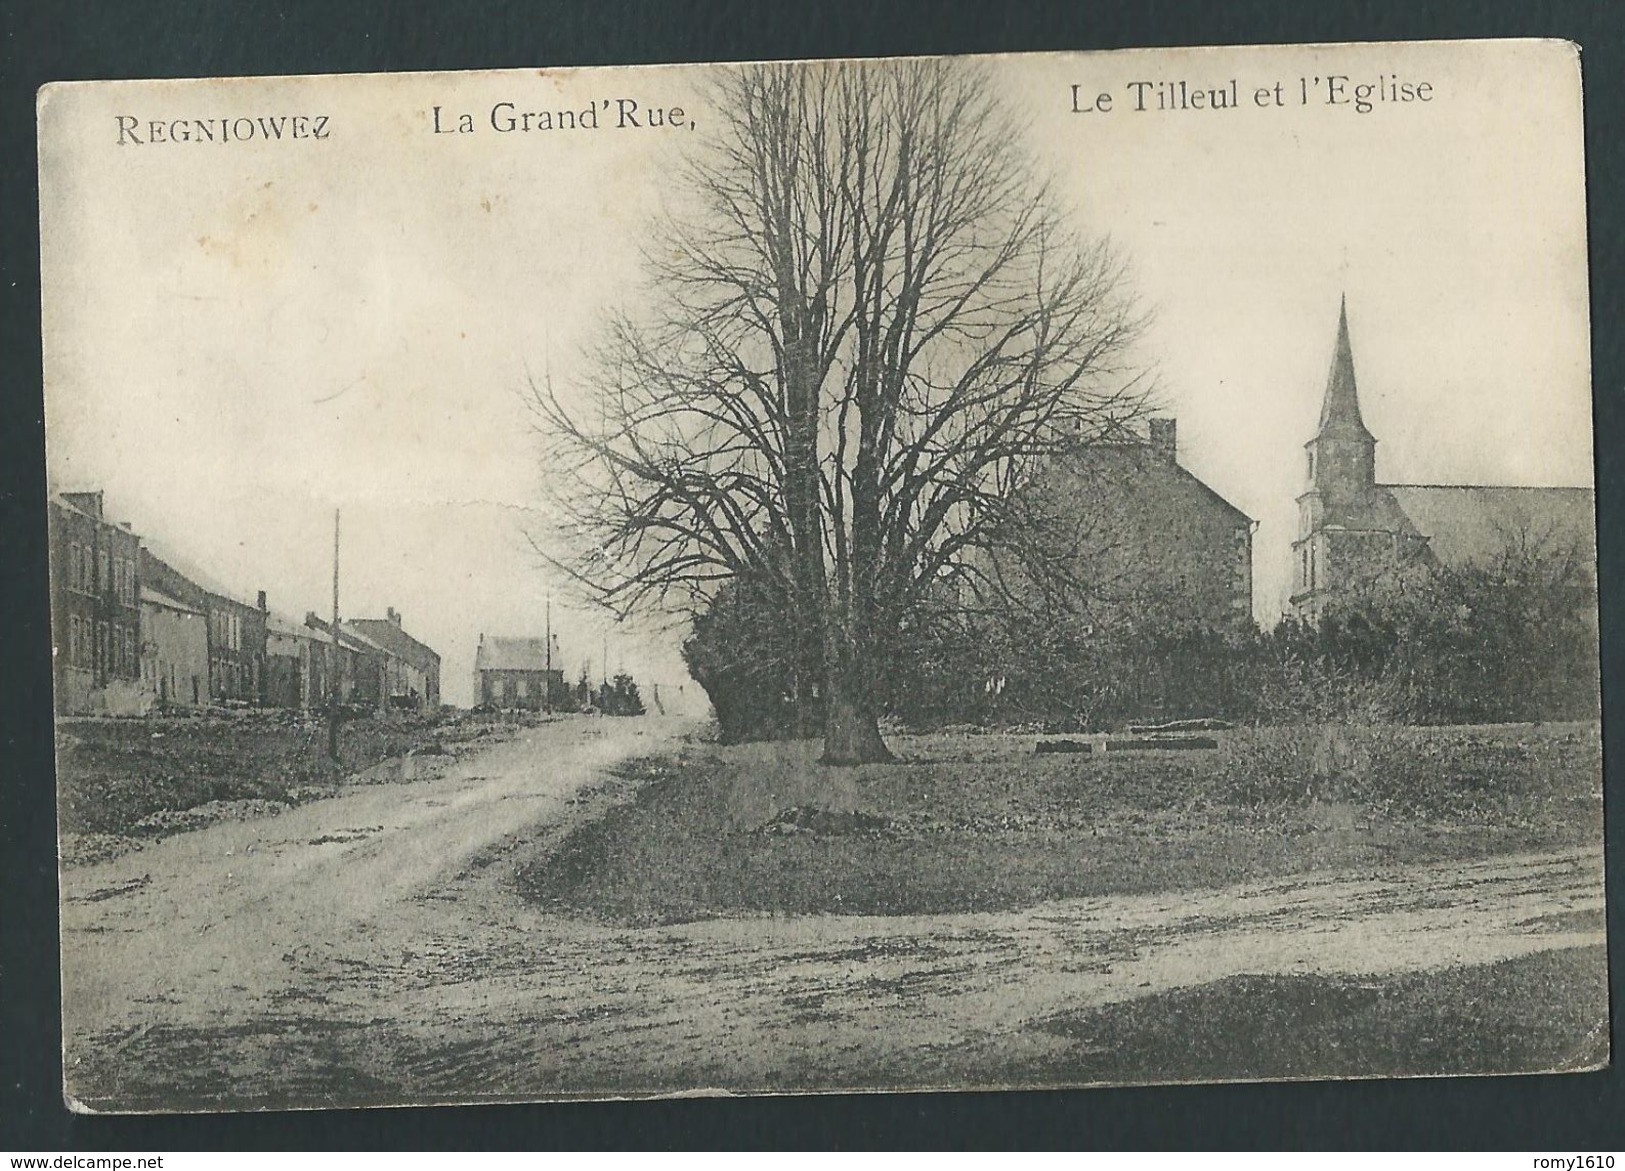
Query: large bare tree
[865, 323]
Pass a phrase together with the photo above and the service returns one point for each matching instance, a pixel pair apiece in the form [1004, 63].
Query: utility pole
[547, 676]
[333, 683]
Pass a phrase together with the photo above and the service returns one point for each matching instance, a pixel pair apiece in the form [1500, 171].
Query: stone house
[174, 651]
[235, 628]
[1132, 540]
[96, 577]
[362, 666]
[514, 673]
[412, 670]
[296, 660]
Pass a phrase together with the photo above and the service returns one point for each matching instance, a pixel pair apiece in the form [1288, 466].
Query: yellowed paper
[993, 572]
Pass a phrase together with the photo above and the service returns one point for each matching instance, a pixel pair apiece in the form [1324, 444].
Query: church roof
[1473, 524]
[1371, 512]
[1340, 410]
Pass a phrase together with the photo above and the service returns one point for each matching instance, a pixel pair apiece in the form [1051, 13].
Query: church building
[1353, 530]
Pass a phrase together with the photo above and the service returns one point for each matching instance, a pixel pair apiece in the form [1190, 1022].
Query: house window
[104, 561]
[130, 663]
[72, 572]
[523, 687]
[73, 639]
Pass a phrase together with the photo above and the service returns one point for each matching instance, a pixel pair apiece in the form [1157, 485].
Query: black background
[61, 41]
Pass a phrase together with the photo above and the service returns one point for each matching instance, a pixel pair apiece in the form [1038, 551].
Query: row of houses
[134, 630]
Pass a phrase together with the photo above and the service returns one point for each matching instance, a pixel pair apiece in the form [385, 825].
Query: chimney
[261, 602]
[311, 620]
[395, 616]
[1161, 433]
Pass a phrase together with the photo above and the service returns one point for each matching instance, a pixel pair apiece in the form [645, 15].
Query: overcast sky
[242, 336]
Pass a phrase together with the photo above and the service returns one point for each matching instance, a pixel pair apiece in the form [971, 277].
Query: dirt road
[372, 948]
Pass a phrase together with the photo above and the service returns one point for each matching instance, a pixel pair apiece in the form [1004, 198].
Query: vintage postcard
[1020, 571]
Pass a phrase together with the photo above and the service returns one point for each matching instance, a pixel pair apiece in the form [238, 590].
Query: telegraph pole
[547, 678]
[333, 682]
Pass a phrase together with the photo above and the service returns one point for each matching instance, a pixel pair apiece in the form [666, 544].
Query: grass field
[979, 822]
[130, 777]
[1547, 1011]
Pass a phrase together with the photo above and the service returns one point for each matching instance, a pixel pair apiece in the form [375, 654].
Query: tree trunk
[851, 724]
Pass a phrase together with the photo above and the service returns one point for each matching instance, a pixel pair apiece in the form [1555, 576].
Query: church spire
[1340, 412]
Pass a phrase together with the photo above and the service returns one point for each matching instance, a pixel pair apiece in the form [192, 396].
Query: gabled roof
[387, 634]
[281, 624]
[498, 653]
[64, 500]
[152, 597]
[1124, 459]
[354, 640]
[1340, 410]
[79, 504]
[351, 634]
[191, 572]
[1474, 524]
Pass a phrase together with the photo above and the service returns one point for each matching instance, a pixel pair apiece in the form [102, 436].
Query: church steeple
[1343, 453]
[1340, 410]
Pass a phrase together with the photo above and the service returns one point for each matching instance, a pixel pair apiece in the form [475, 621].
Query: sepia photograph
[950, 573]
